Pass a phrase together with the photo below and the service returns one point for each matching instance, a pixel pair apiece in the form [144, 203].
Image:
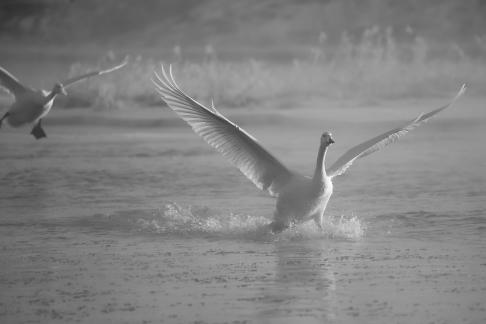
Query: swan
[299, 198]
[31, 105]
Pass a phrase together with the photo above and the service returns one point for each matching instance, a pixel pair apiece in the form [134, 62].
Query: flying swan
[299, 198]
[32, 105]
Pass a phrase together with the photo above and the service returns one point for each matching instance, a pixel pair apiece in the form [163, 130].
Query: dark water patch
[93, 118]
[153, 118]
[14, 224]
[118, 150]
[175, 153]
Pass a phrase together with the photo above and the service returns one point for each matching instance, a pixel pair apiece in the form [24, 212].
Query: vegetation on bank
[374, 67]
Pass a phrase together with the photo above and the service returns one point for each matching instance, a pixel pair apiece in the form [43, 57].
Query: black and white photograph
[243, 161]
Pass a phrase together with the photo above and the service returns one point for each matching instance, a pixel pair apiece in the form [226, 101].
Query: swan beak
[331, 141]
[63, 91]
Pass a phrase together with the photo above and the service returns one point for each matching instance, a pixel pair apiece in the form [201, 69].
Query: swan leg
[37, 131]
[318, 221]
[4, 116]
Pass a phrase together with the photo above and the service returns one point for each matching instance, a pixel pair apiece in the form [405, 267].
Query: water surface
[121, 224]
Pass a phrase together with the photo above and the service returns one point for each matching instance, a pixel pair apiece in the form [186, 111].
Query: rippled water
[149, 225]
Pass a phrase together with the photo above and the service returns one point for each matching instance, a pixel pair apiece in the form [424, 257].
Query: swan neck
[320, 172]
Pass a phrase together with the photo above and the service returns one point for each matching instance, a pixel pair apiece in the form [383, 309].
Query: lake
[128, 217]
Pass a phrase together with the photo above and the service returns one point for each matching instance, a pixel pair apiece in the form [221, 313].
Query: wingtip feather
[166, 77]
[462, 90]
[172, 77]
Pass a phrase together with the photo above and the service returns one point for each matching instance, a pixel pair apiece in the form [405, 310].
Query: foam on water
[195, 221]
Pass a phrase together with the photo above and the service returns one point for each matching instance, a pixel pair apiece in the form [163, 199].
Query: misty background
[251, 26]
[241, 53]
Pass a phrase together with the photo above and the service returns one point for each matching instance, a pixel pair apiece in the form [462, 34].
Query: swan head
[326, 139]
[59, 89]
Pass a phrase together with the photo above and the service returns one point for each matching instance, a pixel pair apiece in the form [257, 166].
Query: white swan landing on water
[32, 105]
[299, 198]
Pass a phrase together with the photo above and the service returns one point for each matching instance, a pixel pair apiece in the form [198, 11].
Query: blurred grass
[372, 68]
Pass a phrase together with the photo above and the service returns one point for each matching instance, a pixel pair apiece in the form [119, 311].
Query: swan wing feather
[382, 140]
[11, 83]
[233, 142]
[78, 78]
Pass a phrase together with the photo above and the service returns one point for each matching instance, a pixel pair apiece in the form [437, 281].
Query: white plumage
[299, 198]
[32, 105]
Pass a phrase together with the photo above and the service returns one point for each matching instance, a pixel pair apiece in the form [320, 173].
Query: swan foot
[37, 131]
[4, 116]
[278, 227]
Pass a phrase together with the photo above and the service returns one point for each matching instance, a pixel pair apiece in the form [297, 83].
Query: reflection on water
[304, 285]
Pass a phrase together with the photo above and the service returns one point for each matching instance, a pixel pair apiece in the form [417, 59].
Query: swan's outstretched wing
[13, 85]
[380, 141]
[239, 147]
[73, 80]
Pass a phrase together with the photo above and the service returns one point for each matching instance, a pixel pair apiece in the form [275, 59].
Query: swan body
[32, 105]
[299, 198]
[304, 198]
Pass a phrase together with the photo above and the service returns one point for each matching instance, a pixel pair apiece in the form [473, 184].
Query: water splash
[334, 227]
[202, 221]
[196, 221]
